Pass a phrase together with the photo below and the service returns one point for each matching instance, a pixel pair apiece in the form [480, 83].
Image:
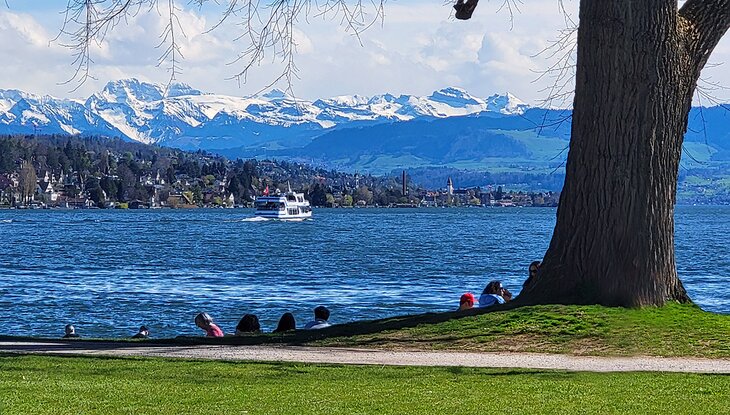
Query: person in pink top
[205, 322]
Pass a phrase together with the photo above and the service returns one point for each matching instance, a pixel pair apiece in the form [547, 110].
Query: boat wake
[6, 221]
[254, 219]
[262, 219]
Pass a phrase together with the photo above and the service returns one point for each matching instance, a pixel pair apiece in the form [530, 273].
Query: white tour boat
[286, 206]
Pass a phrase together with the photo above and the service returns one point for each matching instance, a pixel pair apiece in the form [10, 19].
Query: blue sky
[417, 49]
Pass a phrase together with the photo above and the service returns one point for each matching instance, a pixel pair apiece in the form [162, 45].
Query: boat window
[291, 198]
[266, 205]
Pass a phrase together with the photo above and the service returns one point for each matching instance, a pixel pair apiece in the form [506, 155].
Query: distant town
[91, 173]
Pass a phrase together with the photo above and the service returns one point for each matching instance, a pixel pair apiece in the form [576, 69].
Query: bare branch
[268, 29]
[705, 90]
[172, 51]
[87, 22]
[83, 12]
[512, 6]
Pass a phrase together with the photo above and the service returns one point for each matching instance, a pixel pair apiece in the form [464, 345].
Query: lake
[108, 272]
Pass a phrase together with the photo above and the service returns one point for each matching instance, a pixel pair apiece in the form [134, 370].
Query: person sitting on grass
[70, 332]
[321, 315]
[534, 267]
[249, 324]
[286, 323]
[466, 301]
[492, 294]
[205, 322]
[143, 333]
[506, 295]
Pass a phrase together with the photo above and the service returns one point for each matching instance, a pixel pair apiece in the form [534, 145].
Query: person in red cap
[466, 301]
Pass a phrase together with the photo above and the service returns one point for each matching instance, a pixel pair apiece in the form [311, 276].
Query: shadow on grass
[359, 328]
[294, 338]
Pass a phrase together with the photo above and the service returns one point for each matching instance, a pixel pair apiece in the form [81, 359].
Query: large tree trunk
[637, 67]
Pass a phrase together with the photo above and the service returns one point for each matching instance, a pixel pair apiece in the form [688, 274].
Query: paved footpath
[372, 357]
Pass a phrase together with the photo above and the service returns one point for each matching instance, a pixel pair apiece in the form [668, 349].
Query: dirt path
[374, 357]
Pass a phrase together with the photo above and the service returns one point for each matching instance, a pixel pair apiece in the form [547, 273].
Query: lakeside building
[77, 191]
[71, 191]
[476, 196]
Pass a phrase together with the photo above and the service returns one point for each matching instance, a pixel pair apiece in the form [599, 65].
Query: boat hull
[275, 215]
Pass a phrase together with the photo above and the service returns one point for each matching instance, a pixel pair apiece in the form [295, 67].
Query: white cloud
[303, 42]
[23, 28]
[417, 49]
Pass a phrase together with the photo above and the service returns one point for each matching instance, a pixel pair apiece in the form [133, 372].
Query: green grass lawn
[55, 385]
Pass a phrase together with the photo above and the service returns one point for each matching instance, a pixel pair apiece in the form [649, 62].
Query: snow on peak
[127, 90]
[455, 97]
[14, 95]
[343, 101]
[179, 89]
[276, 94]
[9, 97]
[506, 104]
[382, 99]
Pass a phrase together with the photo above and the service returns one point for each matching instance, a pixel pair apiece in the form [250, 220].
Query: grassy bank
[673, 330]
[52, 385]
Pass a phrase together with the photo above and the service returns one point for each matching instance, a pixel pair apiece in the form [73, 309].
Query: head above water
[286, 323]
[321, 313]
[70, 329]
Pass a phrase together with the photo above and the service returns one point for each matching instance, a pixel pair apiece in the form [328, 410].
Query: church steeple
[450, 186]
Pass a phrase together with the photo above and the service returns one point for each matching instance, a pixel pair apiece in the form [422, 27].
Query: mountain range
[376, 134]
[182, 116]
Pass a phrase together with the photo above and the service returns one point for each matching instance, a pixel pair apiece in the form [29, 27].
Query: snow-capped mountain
[506, 104]
[25, 113]
[181, 116]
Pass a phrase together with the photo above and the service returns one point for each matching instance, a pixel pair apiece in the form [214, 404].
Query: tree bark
[637, 68]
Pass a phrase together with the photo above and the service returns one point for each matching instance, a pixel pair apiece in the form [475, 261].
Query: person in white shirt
[492, 294]
[70, 332]
[321, 315]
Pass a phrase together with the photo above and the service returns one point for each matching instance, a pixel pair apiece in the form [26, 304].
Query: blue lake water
[108, 272]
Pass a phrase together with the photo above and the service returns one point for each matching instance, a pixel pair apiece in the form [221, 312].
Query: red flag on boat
[266, 191]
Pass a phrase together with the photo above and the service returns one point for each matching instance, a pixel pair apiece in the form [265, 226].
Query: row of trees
[110, 170]
[106, 171]
[117, 170]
